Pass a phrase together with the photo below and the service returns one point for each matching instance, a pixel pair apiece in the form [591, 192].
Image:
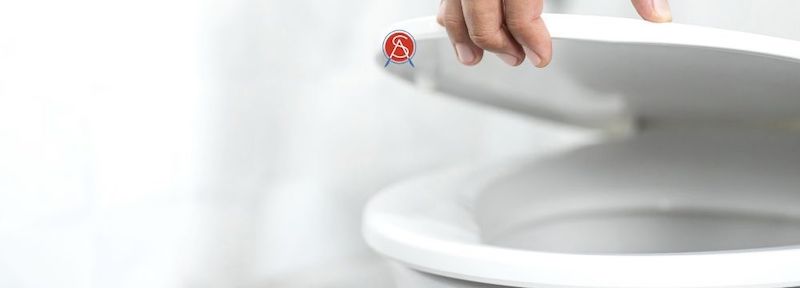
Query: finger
[466, 51]
[524, 21]
[440, 13]
[484, 20]
[653, 10]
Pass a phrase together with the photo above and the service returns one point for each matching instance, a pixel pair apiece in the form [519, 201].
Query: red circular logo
[399, 47]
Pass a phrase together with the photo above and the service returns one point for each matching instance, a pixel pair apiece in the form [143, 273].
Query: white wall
[100, 139]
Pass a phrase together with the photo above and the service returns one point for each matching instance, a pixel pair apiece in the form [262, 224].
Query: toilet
[696, 183]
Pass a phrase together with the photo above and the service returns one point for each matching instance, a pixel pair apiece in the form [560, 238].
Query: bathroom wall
[102, 128]
[208, 143]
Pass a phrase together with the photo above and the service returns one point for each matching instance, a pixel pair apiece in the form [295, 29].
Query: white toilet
[698, 184]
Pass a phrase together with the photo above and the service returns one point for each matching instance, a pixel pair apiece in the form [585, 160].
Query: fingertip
[545, 51]
[539, 60]
[510, 60]
[653, 10]
[543, 63]
[467, 54]
[440, 14]
[663, 11]
[664, 17]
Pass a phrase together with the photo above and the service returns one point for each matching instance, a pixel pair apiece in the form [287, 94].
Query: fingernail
[535, 60]
[510, 60]
[661, 8]
[465, 54]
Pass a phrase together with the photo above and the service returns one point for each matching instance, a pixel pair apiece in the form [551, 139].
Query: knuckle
[517, 24]
[440, 14]
[487, 38]
[453, 22]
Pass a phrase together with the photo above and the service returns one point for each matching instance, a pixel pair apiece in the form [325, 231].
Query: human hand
[513, 29]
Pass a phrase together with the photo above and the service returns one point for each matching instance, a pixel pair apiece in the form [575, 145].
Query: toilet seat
[432, 223]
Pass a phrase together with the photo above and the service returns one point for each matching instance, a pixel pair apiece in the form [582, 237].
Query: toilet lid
[606, 71]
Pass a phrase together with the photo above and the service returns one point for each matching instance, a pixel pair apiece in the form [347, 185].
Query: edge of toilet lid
[606, 71]
[596, 28]
[426, 224]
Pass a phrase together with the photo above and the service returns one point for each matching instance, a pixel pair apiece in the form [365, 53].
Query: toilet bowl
[696, 186]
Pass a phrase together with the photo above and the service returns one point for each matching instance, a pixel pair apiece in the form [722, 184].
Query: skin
[513, 29]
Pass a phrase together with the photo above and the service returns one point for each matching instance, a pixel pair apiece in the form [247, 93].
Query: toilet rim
[408, 223]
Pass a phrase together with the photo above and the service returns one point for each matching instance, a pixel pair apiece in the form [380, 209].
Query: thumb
[653, 10]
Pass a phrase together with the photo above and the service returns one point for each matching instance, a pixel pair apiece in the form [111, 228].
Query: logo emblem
[399, 47]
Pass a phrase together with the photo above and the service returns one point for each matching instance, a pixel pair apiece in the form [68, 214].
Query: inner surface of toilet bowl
[664, 191]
